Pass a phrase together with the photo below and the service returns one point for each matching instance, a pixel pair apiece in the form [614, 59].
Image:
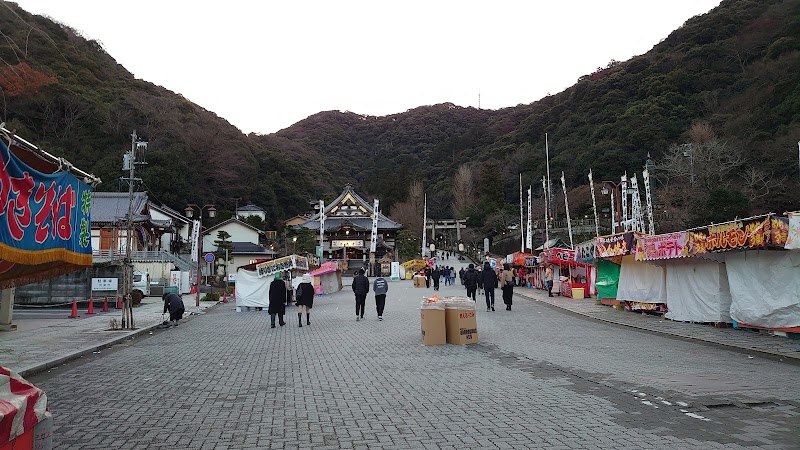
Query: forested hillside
[723, 89]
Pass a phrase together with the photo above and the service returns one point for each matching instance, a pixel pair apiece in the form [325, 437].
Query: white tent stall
[697, 291]
[642, 286]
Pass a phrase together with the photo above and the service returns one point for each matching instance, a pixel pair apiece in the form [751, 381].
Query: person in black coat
[470, 280]
[361, 289]
[427, 277]
[304, 298]
[489, 283]
[435, 274]
[174, 304]
[277, 300]
[461, 274]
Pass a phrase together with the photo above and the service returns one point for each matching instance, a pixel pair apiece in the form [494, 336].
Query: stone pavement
[48, 343]
[538, 378]
[33, 350]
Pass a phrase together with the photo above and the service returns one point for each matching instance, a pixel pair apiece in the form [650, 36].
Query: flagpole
[594, 206]
[521, 211]
[566, 206]
[424, 226]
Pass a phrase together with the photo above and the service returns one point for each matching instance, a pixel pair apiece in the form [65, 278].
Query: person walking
[507, 285]
[380, 287]
[461, 274]
[471, 281]
[360, 289]
[277, 300]
[548, 280]
[435, 274]
[489, 279]
[480, 281]
[427, 276]
[304, 299]
[174, 304]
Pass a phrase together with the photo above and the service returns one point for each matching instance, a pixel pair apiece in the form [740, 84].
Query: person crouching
[174, 304]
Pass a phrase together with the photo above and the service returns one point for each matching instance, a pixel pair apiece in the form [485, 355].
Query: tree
[224, 250]
[463, 191]
[408, 245]
[409, 212]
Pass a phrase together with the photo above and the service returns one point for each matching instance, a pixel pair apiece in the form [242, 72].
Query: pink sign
[664, 246]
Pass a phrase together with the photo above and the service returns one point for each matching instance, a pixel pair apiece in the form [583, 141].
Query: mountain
[724, 88]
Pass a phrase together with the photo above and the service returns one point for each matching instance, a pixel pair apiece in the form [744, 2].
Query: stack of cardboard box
[451, 320]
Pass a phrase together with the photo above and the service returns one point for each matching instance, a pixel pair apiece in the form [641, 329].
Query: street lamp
[618, 190]
[212, 212]
[294, 245]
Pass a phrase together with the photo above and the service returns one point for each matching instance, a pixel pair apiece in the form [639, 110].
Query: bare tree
[409, 212]
[463, 191]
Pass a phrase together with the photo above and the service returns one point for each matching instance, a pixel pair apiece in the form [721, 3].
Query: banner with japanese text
[45, 227]
[664, 246]
[762, 232]
[620, 244]
[585, 251]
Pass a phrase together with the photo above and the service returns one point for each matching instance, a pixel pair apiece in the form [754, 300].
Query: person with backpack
[489, 283]
[380, 286]
[304, 299]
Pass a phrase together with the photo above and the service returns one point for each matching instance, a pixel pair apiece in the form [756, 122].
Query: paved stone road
[540, 378]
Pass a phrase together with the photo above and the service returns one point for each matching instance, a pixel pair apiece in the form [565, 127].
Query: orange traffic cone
[225, 297]
[119, 302]
[105, 304]
[90, 309]
[74, 314]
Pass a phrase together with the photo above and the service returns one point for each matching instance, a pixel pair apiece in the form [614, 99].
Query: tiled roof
[112, 207]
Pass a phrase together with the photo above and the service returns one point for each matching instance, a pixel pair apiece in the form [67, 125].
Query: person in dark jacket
[304, 298]
[361, 289]
[507, 285]
[380, 286]
[174, 304]
[461, 274]
[435, 274]
[277, 300]
[427, 276]
[471, 281]
[489, 283]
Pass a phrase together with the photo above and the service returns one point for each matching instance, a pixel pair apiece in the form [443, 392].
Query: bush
[211, 297]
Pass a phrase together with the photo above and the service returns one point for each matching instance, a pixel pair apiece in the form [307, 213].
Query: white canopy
[641, 282]
[765, 288]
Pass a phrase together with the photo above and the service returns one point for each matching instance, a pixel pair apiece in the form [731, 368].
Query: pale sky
[265, 65]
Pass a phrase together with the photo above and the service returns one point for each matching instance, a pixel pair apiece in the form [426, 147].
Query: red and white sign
[22, 405]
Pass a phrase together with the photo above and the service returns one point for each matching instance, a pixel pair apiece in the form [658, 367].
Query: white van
[141, 282]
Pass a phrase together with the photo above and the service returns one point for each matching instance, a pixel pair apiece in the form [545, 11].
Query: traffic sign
[209, 257]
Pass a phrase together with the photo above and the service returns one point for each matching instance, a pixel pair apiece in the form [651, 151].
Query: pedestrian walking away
[507, 285]
[427, 276]
[380, 286]
[304, 298]
[489, 283]
[277, 301]
[360, 289]
[174, 304]
[461, 274]
[548, 280]
[435, 274]
[471, 281]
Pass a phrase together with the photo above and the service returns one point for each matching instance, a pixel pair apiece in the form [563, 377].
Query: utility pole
[129, 163]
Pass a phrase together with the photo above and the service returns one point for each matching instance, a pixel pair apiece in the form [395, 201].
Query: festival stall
[640, 286]
[570, 274]
[764, 279]
[697, 288]
[328, 278]
[585, 254]
[253, 280]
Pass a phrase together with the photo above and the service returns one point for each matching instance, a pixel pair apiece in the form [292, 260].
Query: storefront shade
[45, 227]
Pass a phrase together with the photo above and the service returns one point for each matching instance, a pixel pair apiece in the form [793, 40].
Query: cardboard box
[433, 331]
[419, 281]
[461, 326]
[577, 293]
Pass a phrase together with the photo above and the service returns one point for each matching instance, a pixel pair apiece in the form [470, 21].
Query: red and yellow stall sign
[741, 235]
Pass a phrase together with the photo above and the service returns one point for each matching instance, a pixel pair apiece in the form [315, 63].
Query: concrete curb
[124, 336]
